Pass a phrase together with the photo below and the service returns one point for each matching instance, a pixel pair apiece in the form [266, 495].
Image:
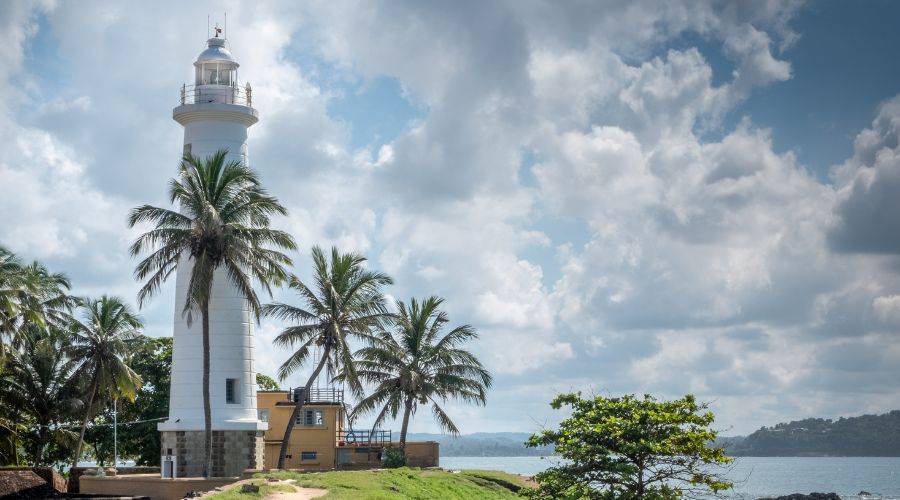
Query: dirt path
[298, 494]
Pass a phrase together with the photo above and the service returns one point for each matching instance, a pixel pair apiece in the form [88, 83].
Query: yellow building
[321, 440]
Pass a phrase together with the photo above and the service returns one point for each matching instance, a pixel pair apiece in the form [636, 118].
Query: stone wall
[232, 451]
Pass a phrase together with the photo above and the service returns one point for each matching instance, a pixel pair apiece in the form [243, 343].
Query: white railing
[199, 94]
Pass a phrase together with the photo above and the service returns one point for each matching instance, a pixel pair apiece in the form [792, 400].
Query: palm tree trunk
[38, 448]
[87, 416]
[41, 444]
[407, 410]
[207, 412]
[299, 407]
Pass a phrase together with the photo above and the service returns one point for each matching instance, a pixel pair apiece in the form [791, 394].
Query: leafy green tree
[151, 359]
[629, 448]
[418, 363]
[222, 229]
[266, 383]
[37, 386]
[101, 345]
[345, 302]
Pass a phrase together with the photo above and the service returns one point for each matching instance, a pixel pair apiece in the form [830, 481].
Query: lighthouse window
[231, 390]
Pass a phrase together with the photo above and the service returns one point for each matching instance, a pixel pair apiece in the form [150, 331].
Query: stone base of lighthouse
[233, 452]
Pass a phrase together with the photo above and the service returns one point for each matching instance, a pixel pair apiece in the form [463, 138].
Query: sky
[622, 197]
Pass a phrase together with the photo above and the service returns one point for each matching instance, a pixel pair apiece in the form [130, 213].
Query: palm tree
[101, 344]
[346, 301]
[38, 385]
[30, 294]
[418, 364]
[223, 224]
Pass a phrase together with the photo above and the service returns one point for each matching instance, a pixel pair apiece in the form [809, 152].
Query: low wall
[150, 485]
[423, 454]
[76, 473]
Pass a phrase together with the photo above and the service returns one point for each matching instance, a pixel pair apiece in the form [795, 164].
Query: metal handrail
[360, 437]
[228, 94]
[317, 395]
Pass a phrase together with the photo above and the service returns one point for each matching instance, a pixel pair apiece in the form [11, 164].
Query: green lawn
[405, 483]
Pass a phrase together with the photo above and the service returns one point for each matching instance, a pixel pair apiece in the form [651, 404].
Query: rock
[801, 496]
[864, 493]
[250, 488]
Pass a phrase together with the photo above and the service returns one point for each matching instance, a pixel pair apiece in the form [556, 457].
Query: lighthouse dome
[215, 52]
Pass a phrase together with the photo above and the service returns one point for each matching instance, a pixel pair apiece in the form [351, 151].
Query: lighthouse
[216, 113]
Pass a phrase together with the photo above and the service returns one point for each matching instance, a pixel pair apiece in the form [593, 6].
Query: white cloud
[887, 309]
[868, 184]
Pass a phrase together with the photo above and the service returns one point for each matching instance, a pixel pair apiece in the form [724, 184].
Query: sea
[756, 477]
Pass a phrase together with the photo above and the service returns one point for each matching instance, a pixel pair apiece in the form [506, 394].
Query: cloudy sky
[662, 197]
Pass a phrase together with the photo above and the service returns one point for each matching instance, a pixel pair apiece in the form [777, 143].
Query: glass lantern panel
[214, 74]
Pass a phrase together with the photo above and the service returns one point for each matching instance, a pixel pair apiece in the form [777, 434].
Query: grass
[407, 483]
[235, 493]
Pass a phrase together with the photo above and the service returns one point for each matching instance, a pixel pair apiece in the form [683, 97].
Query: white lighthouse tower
[216, 113]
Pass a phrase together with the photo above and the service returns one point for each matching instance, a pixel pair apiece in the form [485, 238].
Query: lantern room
[216, 66]
[215, 74]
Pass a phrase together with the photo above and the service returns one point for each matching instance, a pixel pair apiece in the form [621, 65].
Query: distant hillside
[483, 444]
[868, 435]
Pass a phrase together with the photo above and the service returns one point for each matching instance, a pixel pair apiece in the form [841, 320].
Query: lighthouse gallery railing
[202, 94]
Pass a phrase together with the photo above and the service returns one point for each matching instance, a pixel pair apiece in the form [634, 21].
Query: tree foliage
[345, 301]
[37, 391]
[101, 345]
[38, 385]
[417, 362]
[140, 441]
[30, 295]
[632, 448]
[266, 383]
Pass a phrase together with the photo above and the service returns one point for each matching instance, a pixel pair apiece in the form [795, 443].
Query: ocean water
[755, 477]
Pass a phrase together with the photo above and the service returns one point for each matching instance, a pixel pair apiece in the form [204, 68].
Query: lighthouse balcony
[222, 94]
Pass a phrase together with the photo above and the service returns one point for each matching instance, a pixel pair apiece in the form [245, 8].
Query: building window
[263, 415]
[187, 149]
[231, 390]
[307, 455]
[311, 418]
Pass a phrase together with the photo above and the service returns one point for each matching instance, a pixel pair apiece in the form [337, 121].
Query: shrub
[393, 457]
